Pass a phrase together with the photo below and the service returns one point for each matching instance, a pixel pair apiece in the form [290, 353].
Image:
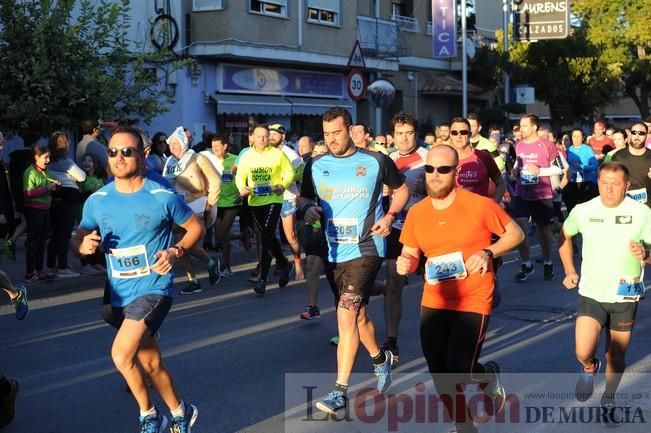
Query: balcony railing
[407, 24]
[379, 37]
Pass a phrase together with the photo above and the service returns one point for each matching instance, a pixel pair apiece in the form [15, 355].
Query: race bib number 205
[342, 231]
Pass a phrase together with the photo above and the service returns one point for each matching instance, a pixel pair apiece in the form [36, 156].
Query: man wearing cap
[290, 196]
[194, 177]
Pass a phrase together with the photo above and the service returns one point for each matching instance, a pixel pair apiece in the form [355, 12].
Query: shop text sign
[538, 19]
[272, 81]
[444, 28]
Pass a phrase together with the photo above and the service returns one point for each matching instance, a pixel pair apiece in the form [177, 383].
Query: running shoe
[192, 288]
[67, 273]
[31, 278]
[183, 424]
[11, 249]
[8, 402]
[391, 345]
[495, 390]
[213, 272]
[311, 312]
[383, 372]
[260, 287]
[283, 275]
[524, 272]
[88, 270]
[20, 303]
[333, 402]
[548, 272]
[226, 272]
[585, 384]
[47, 276]
[153, 424]
[334, 341]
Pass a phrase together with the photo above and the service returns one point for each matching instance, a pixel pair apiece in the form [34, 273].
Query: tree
[620, 28]
[59, 68]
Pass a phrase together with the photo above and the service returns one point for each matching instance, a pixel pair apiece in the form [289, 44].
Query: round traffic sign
[356, 84]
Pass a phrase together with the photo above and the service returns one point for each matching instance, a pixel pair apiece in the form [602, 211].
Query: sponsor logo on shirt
[623, 219]
[360, 171]
[596, 220]
[343, 193]
[326, 173]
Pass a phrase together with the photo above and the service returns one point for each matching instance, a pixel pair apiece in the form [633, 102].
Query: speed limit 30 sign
[356, 84]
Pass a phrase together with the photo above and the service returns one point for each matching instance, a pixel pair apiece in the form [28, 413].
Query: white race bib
[445, 267]
[630, 287]
[262, 190]
[639, 195]
[527, 178]
[342, 231]
[129, 262]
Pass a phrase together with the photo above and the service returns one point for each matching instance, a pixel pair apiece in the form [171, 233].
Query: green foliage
[569, 76]
[620, 28]
[58, 70]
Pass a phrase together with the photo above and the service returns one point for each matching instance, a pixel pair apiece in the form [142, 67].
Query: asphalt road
[230, 353]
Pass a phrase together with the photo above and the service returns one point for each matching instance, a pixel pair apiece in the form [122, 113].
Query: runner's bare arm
[399, 200]
[566, 251]
[165, 259]
[85, 243]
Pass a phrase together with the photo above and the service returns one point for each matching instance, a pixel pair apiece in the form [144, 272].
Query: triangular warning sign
[356, 59]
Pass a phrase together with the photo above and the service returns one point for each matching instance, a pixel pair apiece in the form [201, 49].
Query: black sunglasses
[127, 152]
[444, 169]
[638, 132]
[462, 132]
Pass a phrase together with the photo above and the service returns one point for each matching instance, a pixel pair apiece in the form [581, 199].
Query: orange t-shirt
[465, 226]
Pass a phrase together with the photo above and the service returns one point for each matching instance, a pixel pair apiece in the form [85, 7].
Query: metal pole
[507, 83]
[464, 62]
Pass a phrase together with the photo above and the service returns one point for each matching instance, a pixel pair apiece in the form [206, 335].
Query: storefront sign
[444, 28]
[271, 81]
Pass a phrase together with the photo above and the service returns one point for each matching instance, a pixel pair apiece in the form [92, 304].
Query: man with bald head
[453, 227]
[305, 147]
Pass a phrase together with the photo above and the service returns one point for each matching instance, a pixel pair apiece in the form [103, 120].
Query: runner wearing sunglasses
[637, 159]
[453, 228]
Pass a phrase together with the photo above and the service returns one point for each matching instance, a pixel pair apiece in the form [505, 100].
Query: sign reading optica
[444, 28]
[541, 19]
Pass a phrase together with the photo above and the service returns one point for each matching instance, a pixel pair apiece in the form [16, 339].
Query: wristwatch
[179, 251]
[488, 252]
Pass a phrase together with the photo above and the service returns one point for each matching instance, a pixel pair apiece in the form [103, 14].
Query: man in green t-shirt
[615, 230]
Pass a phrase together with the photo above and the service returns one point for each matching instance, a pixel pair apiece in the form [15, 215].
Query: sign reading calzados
[539, 19]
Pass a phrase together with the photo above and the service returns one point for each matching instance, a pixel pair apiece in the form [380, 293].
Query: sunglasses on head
[127, 152]
[634, 132]
[444, 169]
[460, 132]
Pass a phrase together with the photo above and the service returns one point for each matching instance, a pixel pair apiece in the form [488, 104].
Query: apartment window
[323, 11]
[404, 8]
[269, 7]
[207, 5]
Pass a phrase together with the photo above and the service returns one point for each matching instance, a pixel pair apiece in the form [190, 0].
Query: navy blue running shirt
[349, 189]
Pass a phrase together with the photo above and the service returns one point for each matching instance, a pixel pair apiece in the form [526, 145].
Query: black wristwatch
[488, 252]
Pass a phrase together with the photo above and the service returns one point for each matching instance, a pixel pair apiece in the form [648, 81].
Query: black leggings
[63, 213]
[266, 220]
[38, 222]
[451, 343]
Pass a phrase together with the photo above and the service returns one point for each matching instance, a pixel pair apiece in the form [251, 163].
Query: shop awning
[252, 104]
[316, 106]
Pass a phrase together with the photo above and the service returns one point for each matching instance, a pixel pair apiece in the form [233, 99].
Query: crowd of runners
[446, 207]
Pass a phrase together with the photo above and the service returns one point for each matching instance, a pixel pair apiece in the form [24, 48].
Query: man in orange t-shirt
[452, 227]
